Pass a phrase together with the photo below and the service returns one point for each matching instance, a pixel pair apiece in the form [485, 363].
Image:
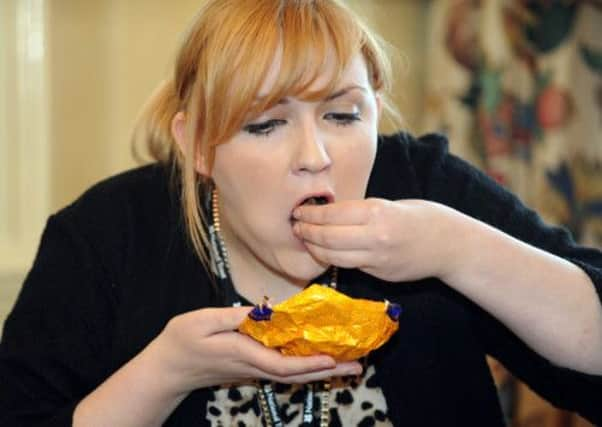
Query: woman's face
[293, 151]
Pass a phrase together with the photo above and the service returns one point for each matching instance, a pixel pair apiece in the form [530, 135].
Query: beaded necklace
[265, 393]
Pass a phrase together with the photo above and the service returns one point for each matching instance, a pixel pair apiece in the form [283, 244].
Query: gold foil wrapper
[320, 320]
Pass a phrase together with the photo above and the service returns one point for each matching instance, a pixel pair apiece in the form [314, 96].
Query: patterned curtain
[517, 87]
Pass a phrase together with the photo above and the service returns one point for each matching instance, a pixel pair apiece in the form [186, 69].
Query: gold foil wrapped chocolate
[320, 320]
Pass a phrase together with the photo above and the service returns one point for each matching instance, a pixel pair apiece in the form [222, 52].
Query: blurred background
[515, 84]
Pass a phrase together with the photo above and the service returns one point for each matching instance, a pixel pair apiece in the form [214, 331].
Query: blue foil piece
[261, 312]
[394, 311]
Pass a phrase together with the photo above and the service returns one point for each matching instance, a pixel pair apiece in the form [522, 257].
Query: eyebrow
[344, 91]
[330, 97]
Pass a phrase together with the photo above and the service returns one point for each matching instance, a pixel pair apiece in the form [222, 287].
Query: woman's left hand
[392, 240]
[547, 301]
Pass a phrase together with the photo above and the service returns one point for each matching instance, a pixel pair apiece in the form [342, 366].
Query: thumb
[216, 320]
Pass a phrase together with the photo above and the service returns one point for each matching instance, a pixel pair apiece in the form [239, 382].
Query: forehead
[323, 72]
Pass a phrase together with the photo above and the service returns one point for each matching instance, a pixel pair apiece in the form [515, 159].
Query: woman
[129, 314]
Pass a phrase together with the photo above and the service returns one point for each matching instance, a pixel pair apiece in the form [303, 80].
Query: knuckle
[178, 322]
[174, 322]
[383, 237]
[224, 321]
[210, 320]
[206, 319]
[204, 315]
[375, 209]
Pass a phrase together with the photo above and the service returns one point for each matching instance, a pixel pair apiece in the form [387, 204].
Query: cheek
[240, 174]
[353, 163]
[249, 182]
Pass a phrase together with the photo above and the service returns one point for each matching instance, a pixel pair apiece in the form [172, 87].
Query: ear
[178, 132]
[379, 105]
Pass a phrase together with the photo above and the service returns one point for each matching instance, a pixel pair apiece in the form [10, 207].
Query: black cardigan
[115, 266]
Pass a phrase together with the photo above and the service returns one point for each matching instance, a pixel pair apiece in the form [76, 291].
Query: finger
[345, 237]
[341, 258]
[346, 212]
[274, 363]
[215, 320]
[340, 370]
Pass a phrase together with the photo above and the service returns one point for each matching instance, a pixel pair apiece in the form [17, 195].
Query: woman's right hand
[202, 348]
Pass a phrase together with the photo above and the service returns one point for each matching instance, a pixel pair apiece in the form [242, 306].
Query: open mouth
[311, 201]
[315, 200]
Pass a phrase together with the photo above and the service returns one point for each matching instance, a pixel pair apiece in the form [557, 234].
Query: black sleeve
[55, 343]
[449, 180]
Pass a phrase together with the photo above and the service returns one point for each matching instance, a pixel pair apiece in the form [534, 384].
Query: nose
[311, 154]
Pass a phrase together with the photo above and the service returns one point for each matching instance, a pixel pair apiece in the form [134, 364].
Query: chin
[303, 267]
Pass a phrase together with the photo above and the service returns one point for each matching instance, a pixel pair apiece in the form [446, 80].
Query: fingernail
[297, 228]
[297, 213]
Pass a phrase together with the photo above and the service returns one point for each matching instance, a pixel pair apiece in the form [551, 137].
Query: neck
[253, 279]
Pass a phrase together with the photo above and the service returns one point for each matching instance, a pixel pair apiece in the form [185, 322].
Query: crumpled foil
[320, 320]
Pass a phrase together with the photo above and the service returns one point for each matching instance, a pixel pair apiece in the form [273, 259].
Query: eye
[343, 119]
[263, 128]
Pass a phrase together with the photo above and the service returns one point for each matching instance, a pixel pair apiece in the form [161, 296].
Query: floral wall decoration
[517, 86]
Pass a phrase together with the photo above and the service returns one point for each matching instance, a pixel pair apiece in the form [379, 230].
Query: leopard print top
[354, 401]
